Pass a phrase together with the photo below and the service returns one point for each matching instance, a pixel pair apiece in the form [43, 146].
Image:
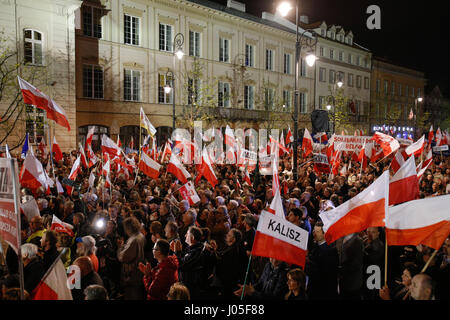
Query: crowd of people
[141, 240]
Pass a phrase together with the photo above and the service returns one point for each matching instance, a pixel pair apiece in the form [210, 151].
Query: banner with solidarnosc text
[352, 143]
[9, 224]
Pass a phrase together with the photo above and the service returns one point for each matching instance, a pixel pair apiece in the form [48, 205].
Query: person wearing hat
[86, 247]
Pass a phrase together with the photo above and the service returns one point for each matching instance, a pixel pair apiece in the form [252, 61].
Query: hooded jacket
[161, 278]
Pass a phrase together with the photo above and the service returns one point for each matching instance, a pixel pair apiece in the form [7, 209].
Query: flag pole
[15, 185]
[429, 261]
[385, 262]
[246, 275]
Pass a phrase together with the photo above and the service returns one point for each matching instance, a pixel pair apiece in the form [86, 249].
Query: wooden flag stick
[385, 263]
[429, 261]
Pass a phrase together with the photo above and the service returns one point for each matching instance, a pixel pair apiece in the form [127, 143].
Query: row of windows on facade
[401, 91]
[361, 107]
[351, 59]
[340, 37]
[93, 88]
[382, 112]
[340, 76]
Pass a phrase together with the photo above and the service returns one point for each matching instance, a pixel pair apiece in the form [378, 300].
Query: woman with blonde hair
[178, 291]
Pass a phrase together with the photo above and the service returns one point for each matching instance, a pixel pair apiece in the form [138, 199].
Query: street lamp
[419, 99]
[333, 101]
[177, 50]
[300, 39]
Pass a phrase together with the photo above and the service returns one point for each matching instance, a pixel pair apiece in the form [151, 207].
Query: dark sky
[412, 33]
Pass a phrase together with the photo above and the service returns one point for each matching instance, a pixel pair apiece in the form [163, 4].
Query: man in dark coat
[33, 270]
[194, 263]
[48, 245]
[351, 260]
[272, 285]
[374, 251]
[322, 268]
[88, 277]
[230, 264]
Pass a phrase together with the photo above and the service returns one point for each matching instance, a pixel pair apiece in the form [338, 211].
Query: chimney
[236, 5]
[304, 19]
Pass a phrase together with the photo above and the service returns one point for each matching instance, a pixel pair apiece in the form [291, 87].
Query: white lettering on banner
[281, 229]
[320, 158]
[440, 148]
[352, 143]
[8, 216]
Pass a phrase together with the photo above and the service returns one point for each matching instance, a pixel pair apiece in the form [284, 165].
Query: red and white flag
[92, 157]
[275, 177]
[428, 159]
[89, 137]
[109, 146]
[376, 155]
[188, 193]
[276, 206]
[321, 136]
[32, 175]
[289, 137]
[404, 185]
[387, 143]
[398, 160]
[131, 144]
[307, 143]
[430, 135]
[176, 168]
[43, 148]
[167, 152]
[76, 168]
[247, 177]
[33, 96]
[424, 221]
[106, 168]
[206, 170]
[91, 179]
[279, 239]
[366, 209]
[148, 166]
[57, 150]
[416, 148]
[54, 285]
[60, 226]
[362, 157]
[438, 137]
[422, 171]
[84, 160]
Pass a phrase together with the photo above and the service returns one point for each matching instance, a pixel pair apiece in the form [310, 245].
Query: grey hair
[95, 292]
[29, 250]
[44, 202]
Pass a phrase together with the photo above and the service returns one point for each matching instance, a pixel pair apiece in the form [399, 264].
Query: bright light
[167, 89]
[328, 107]
[340, 83]
[100, 224]
[310, 59]
[284, 8]
[419, 99]
[179, 54]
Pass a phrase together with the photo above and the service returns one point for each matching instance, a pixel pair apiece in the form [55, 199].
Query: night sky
[412, 33]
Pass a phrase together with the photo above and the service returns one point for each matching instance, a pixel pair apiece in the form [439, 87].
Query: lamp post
[334, 110]
[301, 40]
[177, 49]
[419, 99]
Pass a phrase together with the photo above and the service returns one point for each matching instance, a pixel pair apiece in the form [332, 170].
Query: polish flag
[247, 177]
[399, 160]
[131, 144]
[343, 171]
[106, 168]
[176, 168]
[92, 157]
[428, 159]
[404, 185]
[307, 144]
[289, 137]
[54, 284]
[430, 135]
[206, 170]
[167, 152]
[33, 96]
[109, 146]
[42, 148]
[275, 177]
[422, 171]
[89, 137]
[148, 166]
[321, 136]
[84, 161]
[91, 179]
[362, 157]
[238, 184]
[416, 148]
[229, 137]
[330, 148]
[424, 221]
[60, 226]
[279, 239]
[276, 206]
[282, 149]
[376, 155]
[188, 193]
[32, 174]
[438, 137]
[57, 150]
[366, 209]
[76, 168]
[387, 143]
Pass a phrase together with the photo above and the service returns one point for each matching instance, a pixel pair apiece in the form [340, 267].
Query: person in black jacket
[33, 270]
[48, 245]
[230, 264]
[271, 286]
[194, 263]
[322, 267]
